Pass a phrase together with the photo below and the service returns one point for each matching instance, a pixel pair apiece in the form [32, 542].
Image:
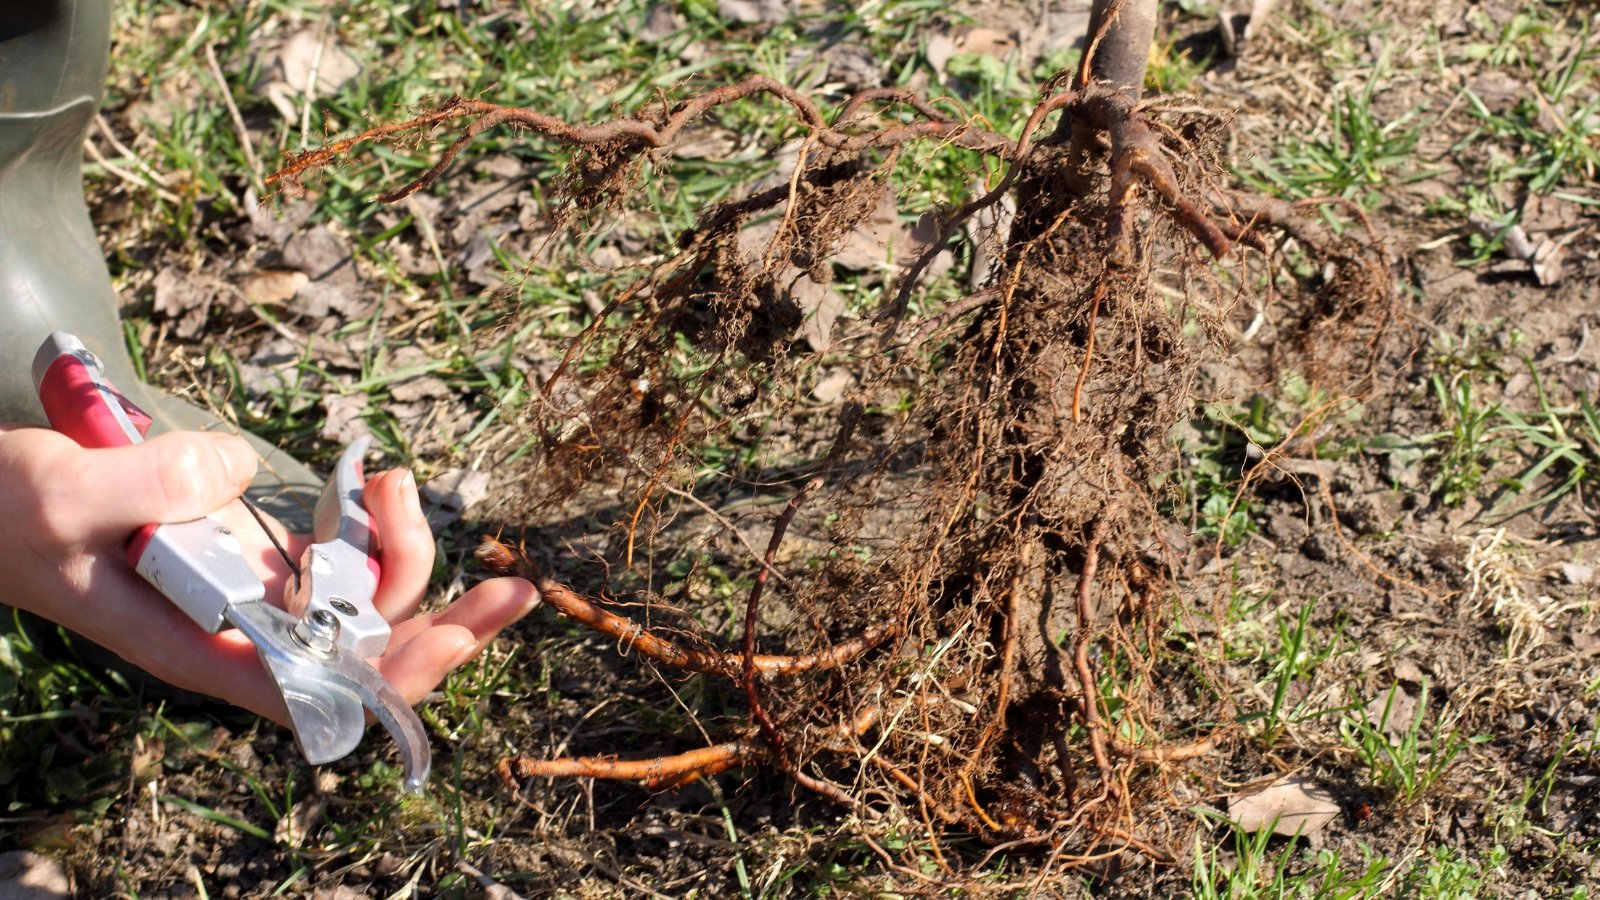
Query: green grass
[1469, 446]
[1235, 865]
[1404, 758]
[1516, 459]
[1301, 652]
[1552, 128]
[1356, 159]
[1562, 444]
[1260, 867]
[64, 722]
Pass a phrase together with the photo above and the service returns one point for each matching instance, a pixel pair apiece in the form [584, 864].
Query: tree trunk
[1124, 52]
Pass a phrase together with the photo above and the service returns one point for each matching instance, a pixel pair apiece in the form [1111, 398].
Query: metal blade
[328, 720]
[329, 691]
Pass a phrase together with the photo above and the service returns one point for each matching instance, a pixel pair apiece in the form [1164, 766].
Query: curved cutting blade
[328, 693]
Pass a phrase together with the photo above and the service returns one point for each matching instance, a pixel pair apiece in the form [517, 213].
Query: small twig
[125, 175]
[492, 890]
[238, 120]
[272, 537]
[312, 78]
[151, 181]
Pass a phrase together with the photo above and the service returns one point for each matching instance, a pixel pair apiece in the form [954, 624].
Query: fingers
[85, 494]
[421, 663]
[484, 611]
[425, 649]
[405, 543]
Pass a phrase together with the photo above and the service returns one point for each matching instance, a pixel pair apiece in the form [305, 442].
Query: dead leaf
[1548, 213]
[833, 385]
[145, 764]
[25, 874]
[492, 890]
[478, 258]
[1577, 573]
[288, 68]
[1237, 28]
[1393, 716]
[413, 383]
[706, 142]
[349, 303]
[941, 48]
[274, 287]
[1542, 256]
[314, 300]
[988, 41]
[271, 368]
[305, 816]
[484, 200]
[753, 12]
[321, 254]
[453, 492]
[663, 21]
[273, 224]
[339, 892]
[854, 66]
[1498, 91]
[422, 387]
[1409, 672]
[343, 420]
[987, 230]
[1292, 805]
[821, 306]
[185, 298]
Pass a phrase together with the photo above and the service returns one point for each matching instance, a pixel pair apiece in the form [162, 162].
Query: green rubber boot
[53, 58]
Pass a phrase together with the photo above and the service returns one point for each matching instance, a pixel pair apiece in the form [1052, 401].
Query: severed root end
[659, 772]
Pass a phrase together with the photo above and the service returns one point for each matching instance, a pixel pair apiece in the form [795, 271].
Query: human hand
[68, 514]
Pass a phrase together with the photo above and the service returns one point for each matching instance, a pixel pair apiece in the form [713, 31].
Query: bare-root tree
[995, 664]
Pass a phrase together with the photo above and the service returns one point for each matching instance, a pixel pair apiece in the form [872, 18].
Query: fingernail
[238, 459]
[467, 652]
[410, 499]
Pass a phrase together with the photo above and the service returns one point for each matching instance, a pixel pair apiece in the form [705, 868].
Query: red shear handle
[78, 400]
[82, 405]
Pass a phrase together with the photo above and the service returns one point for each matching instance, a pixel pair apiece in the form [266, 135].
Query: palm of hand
[63, 559]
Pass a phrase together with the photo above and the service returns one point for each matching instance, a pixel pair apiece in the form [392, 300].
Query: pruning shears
[318, 660]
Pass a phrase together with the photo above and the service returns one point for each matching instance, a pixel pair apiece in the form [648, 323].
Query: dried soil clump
[972, 640]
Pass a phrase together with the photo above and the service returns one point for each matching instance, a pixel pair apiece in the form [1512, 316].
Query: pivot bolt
[319, 631]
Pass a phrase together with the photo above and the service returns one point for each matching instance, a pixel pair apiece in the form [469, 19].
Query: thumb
[173, 477]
